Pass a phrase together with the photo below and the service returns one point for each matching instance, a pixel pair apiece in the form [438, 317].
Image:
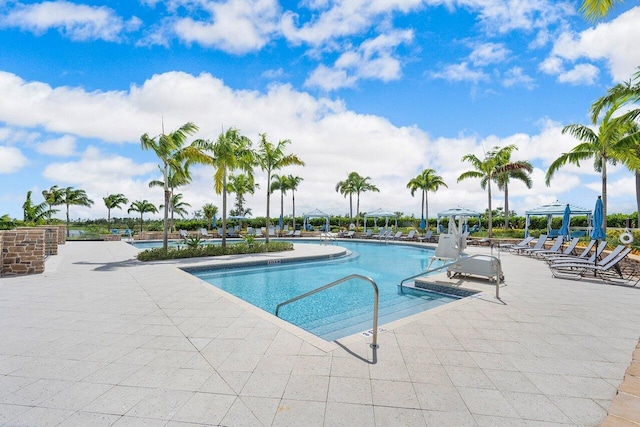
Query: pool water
[346, 308]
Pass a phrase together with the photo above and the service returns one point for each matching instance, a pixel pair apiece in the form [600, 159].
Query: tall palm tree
[488, 169]
[614, 142]
[360, 184]
[34, 212]
[426, 181]
[346, 189]
[231, 151]
[594, 9]
[293, 182]
[113, 201]
[270, 158]
[178, 176]
[519, 170]
[627, 93]
[173, 153]
[53, 197]
[177, 207]
[209, 210]
[240, 185]
[74, 197]
[143, 207]
[280, 182]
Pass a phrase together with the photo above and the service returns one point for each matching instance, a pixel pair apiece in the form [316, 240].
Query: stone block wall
[111, 237]
[23, 251]
[50, 240]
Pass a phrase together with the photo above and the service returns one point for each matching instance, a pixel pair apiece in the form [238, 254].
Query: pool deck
[102, 339]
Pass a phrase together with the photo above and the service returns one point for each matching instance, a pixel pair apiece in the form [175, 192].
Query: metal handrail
[374, 344]
[431, 270]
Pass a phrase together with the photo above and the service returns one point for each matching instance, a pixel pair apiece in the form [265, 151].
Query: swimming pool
[342, 310]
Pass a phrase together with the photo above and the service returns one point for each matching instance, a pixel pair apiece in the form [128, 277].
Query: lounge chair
[593, 259]
[523, 244]
[410, 236]
[297, 233]
[380, 234]
[184, 234]
[427, 237]
[258, 232]
[349, 234]
[539, 245]
[396, 236]
[367, 235]
[205, 233]
[556, 248]
[583, 255]
[610, 272]
[289, 233]
[567, 251]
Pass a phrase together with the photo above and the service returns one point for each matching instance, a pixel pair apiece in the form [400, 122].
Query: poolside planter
[23, 251]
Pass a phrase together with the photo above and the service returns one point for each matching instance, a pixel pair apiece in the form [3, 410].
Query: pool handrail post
[374, 344]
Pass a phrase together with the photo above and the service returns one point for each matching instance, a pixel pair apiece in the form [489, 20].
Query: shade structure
[461, 213]
[316, 213]
[553, 209]
[380, 213]
[598, 232]
[566, 219]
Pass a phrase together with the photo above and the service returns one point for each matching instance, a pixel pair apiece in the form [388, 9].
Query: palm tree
[293, 182]
[346, 189]
[32, 212]
[209, 211]
[76, 197]
[177, 206]
[231, 151]
[614, 142]
[360, 184]
[624, 94]
[280, 182]
[519, 170]
[52, 197]
[270, 158]
[143, 207]
[488, 169]
[113, 201]
[426, 181]
[173, 154]
[594, 9]
[240, 185]
[178, 177]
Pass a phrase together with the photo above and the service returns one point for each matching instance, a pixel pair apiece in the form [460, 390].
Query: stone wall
[23, 251]
[111, 237]
[51, 240]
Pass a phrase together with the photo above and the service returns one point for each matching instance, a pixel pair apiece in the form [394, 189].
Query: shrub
[156, 254]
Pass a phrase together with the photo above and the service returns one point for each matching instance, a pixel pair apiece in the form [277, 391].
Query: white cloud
[373, 59]
[62, 147]
[551, 65]
[460, 73]
[236, 26]
[614, 41]
[12, 160]
[488, 53]
[78, 22]
[516, 76]
[580, 74]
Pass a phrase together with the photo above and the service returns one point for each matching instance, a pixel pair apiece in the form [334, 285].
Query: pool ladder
[374, 344]
[328, 237]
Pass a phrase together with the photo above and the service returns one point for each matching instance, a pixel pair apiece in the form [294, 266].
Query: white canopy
[458, 213]
[554, 209]
[316, 213]
[379, 213]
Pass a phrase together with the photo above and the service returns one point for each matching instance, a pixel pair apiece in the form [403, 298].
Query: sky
[385, 88]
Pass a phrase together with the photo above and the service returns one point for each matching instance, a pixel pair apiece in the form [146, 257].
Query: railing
[374, 344]
[326, 237]
[431, 270]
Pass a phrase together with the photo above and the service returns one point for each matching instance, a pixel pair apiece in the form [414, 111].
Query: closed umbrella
[566, 218]
[280, 221]
[598, 232]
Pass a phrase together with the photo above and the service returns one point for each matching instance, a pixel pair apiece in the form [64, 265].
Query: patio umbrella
[566, 218]
[422, 223]
[214, 221]
[280, 221]
[598, 232]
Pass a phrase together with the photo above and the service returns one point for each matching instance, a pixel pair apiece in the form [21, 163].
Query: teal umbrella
[566, 218]
[598, 232]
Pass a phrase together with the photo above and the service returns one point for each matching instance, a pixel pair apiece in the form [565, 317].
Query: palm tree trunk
[637, 198]
[604, 193]
[490, 213]
[506, 206]
[68, 234]
[281, 207]
[425, 208]
[165, 228]
[108, 216]
[358, 210]
[224, 208]
[268, 203]
[141, 222]
[293, 197]
[350, 207]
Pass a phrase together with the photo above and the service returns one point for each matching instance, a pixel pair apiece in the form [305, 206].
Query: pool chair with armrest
[523, 244]
[556, 248]
[610, 272]
[539, 245]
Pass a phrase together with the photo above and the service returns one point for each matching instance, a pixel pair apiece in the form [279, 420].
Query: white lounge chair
[410, 236]
[523, 244]
[555, 249]
[396, 236]
[184, 234]
[583, 255]
[205, 233]
[539, 245]
[297, 233]
[428, 236]
[567, 251]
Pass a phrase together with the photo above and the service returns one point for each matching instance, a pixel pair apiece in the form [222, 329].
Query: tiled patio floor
[101, 339]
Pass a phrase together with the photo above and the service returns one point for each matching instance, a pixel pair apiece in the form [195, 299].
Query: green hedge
[213, 250]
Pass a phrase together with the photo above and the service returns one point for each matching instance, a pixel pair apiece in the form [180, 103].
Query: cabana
[379, 213]
[554, 209]
[457, 213]
[316, 213]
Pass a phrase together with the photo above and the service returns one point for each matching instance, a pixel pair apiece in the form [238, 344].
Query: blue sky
[381, 87]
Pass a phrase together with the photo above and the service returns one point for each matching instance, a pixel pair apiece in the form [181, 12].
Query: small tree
[143, 207]
[113, 201]
[74, 197]
[209, 210]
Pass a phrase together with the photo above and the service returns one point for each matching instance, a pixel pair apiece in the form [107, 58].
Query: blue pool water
[342, 310]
